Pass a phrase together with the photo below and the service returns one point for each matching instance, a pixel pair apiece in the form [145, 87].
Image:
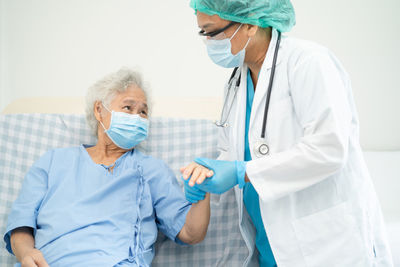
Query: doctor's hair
[106, 88]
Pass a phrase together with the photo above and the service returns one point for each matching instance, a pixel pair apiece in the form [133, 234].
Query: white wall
[365, 35]
[3, 98]
[60, 47]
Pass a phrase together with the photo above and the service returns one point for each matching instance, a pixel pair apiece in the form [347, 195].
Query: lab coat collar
[240, 114]
[263, 80]
[271, 49]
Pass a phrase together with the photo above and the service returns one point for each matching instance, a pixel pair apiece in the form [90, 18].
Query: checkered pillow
[24, 137]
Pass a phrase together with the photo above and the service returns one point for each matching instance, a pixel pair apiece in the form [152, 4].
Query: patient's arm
[23, 246]
[195, 228]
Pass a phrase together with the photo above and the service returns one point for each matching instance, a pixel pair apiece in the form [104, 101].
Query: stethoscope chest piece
[261, 149]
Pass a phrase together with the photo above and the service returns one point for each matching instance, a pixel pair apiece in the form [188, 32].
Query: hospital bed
[29, 127]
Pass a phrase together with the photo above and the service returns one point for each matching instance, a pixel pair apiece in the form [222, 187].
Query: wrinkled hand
[196, 172]
[227, 174]
[33, 258]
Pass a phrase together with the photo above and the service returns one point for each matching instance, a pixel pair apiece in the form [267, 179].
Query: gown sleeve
[170, 204]
[25, 208]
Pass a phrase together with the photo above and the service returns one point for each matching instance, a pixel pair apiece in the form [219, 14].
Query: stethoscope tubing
[224, 124]
[237, 84]
[271, 81]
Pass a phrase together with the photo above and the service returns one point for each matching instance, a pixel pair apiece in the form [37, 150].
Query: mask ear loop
[248, 41]
[102, 125]
[233, 35]
[108, 111]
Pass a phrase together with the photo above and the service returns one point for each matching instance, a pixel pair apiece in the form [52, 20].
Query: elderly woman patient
[102, 205]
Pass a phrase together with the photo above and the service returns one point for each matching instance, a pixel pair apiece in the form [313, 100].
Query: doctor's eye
[127, 108]
[214, 33]
[144, 112]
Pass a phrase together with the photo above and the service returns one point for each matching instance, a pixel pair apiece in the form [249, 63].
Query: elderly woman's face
[132, 101]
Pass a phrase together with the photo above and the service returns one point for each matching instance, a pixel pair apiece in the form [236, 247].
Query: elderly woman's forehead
[135, 94]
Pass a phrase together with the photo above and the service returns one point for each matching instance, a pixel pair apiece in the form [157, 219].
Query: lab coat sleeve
[321, 104]
[26, 207]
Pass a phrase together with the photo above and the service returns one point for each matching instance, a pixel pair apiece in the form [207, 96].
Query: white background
[60, 47]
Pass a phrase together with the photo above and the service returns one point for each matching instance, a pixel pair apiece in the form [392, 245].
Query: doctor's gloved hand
[192, 193]
[227, 174]
[195, 172]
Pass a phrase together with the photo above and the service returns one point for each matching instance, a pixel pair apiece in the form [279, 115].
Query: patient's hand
[196, 172]
[33, 258]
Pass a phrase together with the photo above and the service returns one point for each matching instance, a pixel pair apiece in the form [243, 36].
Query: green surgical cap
[278, 14]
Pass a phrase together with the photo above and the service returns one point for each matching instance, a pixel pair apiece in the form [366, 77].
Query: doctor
[289, 139]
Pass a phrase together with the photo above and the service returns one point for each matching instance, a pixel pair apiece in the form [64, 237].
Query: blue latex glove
[192, 193]
[227, 174]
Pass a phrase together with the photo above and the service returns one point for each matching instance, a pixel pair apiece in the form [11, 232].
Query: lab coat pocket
[331, 238]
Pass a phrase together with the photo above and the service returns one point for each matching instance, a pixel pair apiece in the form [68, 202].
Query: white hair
[105, 90]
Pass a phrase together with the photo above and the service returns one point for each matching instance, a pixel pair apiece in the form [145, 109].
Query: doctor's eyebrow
[205, 26]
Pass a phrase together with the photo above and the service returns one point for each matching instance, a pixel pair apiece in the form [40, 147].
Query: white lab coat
[317, 201]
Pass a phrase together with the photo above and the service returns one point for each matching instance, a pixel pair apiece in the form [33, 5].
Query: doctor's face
[213, 23]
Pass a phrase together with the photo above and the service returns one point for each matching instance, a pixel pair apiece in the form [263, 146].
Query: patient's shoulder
[72, 149]
[147, 159]
[66, 152]
[47, 159]
[153, 168]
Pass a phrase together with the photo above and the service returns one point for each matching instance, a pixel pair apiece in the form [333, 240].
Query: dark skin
[256, 52]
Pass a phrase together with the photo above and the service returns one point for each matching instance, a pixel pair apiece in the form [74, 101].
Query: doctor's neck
[257, 51]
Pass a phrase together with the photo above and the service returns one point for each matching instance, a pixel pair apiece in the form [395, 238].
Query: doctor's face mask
[219, 51]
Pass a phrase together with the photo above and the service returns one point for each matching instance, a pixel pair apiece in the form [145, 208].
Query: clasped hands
[214, 176]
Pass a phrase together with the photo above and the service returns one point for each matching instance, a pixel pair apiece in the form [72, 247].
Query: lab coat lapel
[240, 117]
[260, 94]
[238, 143]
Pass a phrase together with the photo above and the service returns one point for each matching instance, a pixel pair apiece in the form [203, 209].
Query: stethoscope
[261, 148]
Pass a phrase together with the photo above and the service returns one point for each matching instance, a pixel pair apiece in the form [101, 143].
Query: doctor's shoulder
[306, 57]
[299, 51]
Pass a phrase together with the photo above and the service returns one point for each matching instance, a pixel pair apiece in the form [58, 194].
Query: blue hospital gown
[84, 215]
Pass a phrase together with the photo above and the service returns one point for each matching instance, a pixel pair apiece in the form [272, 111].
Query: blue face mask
[220, 52]
[126, 130]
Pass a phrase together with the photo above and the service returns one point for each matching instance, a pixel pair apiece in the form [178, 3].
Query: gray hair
[105, 90]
